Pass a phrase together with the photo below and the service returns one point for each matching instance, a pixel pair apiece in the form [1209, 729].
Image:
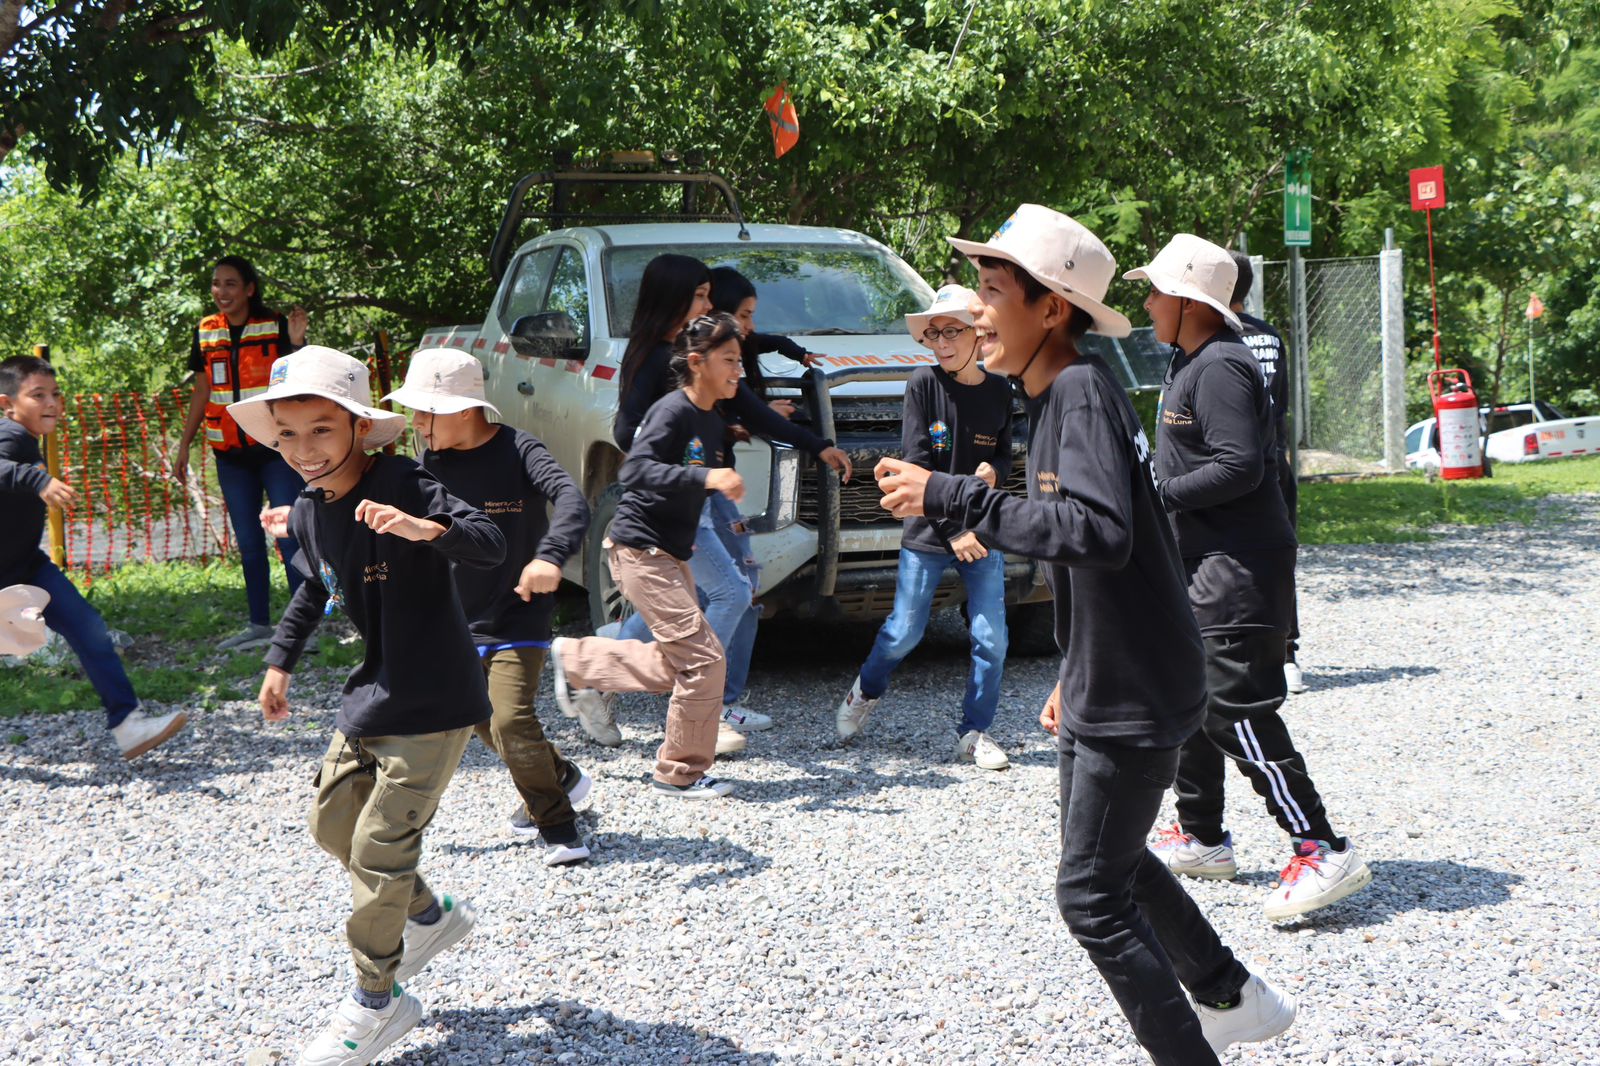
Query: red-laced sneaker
[1185, 854]
[1316, 877]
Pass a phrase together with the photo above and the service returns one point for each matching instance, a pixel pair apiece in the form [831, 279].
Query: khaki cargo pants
[515, 734]
[686, 659]
[375, 796]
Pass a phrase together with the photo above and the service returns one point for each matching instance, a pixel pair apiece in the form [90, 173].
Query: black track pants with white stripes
[1244, 674]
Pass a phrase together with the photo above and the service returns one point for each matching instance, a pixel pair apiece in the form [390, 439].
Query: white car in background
[1516, 433]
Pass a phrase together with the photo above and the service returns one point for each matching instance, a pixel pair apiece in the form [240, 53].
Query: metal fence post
[1391, 304]
[1255, 301]
[1300, 364]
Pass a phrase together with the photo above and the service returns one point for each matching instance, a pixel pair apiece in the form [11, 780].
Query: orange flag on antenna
[785, 123]
[1535, 307]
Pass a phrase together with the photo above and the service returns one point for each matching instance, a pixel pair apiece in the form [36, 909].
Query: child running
[511, 477]
[30, 396]
[1217, 476]
[377, 535]
[677, 457]
[724, 576]
[1267, 344]
[957, 420]
[1132, 683]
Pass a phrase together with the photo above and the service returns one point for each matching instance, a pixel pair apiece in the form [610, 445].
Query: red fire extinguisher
[1455, 406]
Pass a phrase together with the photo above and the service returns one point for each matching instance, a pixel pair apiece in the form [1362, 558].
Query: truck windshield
[802, 289]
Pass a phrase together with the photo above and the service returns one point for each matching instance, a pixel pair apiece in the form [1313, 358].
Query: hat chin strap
[321, 495]
[1019, 375]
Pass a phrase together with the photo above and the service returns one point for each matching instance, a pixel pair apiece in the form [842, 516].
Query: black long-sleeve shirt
[951, 428]
[22, 477]
[1216, 460]
[654, 380]
[421, 672]
[1133, 667]
[1267, 345]
[512, 478]
[664, 476]
[754, 346]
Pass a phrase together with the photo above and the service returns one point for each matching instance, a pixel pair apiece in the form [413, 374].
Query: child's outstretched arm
[460, 531]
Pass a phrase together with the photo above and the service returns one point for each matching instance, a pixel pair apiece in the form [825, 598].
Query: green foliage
[361, 153]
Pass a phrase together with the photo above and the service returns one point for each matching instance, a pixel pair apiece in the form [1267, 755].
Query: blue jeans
[245, 475]
[75, 618]
[915, 583]
[725, 579]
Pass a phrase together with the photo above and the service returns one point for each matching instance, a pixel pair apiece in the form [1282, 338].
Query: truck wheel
[1031, 629]
[606, 603]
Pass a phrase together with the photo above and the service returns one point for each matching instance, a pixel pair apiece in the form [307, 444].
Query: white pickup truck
[552, 344]
[1515, 433]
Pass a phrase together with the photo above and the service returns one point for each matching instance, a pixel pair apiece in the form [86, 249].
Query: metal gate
[1342, 322]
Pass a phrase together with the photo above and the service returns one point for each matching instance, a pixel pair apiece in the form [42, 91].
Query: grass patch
[1407, 507]
[175, 613]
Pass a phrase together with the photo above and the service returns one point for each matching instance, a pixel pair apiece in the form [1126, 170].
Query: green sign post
[1297, 198]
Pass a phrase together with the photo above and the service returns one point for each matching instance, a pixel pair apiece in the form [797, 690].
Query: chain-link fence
[1337, 380]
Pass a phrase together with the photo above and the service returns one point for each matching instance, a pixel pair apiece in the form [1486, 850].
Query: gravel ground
[878, 904]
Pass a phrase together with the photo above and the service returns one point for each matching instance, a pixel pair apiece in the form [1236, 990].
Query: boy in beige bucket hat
[1217, 477]
[511, 477]
[377, 535]
[1132, 680]
[956, 418]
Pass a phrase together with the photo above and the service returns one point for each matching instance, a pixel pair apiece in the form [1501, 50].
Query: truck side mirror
[548, 335]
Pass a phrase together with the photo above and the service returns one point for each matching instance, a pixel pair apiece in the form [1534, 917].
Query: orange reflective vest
[236, 373]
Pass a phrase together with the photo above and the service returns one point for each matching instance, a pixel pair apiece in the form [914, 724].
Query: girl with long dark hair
[232, 359]
[678, 457]
[721, 563]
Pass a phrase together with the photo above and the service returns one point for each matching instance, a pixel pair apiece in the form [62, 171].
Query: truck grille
[858, 501]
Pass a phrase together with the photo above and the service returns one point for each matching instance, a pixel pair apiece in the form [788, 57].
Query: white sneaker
[251, 636]
[423, 942]
[358, 1035]
[1264, 1011]
[706, 788]
[729, 740]
[595, 712]
[579, 788]
[976, 747]
[851, 716]
[1295, 678]
[1184, 854]
[1316, 877]
[745, 720]
[139, 732]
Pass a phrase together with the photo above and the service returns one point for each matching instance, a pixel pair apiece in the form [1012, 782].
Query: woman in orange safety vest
[232, 360]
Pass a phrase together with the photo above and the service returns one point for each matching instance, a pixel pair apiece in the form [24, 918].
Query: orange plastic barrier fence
[116, 450]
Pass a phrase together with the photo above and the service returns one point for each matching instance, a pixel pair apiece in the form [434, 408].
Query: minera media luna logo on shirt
[941, 436]
[695, 453]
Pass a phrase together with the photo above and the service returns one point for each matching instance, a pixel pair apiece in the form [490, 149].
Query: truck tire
[606, 603]
[1031, 629]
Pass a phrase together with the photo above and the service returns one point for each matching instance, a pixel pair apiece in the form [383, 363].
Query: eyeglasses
[949, 333]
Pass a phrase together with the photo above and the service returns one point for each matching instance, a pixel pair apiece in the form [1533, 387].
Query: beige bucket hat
[22, 628]
[442, 381]
[324, 372]
[1062, 255]
[951, 301]
[1193, 267]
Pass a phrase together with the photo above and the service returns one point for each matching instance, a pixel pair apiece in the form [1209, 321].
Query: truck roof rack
[560, 212]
